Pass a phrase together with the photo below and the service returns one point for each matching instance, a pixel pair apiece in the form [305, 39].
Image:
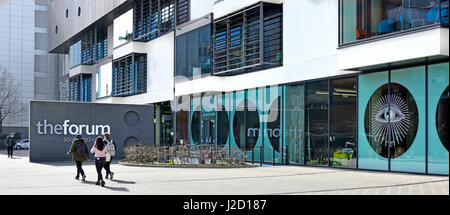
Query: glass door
[316, 123]
[343, 122]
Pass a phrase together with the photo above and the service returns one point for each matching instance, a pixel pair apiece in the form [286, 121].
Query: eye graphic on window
[391, 120]
[391, 117]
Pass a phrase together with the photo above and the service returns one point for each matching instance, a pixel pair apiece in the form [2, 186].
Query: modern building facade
[350, 83]
[24, 54]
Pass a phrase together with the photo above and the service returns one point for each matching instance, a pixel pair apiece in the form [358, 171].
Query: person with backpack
[10, 144]
[79, 151]
[110, 153]
[99, 149]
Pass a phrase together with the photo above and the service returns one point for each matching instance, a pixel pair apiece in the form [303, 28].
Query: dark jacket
[10, 141]
[73, 151]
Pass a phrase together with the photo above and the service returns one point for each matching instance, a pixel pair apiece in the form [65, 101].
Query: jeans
[79, 168]
[10, 150]
[108, 166]
[99, 164]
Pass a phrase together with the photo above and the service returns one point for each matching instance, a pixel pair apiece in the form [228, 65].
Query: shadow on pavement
[123, 182]
[122, 189]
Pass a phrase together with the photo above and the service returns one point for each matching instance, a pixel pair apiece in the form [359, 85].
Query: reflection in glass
[438, 124]
[442, 118]
[294, 123]
[316, 123]
[246, 125]
[182, 123]
[194, 53]
[361, 19]
[343, 122]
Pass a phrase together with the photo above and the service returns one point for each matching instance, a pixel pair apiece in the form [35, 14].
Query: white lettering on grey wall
[66, 128]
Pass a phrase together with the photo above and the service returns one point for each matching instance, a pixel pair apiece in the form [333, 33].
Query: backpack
[110, 148]
[80, 150]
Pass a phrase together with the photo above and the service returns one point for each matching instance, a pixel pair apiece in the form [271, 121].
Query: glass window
[407, 119]
[80, 88]
[194, 53]
[343, 122]
[75, 54]
[104, 80]
[272, 124]
[130, 75]
[316, 123]
[248, 40]
[294, 123]
[372, 148]
[196, 119]
[438, 101]
[361, 19]
[123, 29]
[152, 18]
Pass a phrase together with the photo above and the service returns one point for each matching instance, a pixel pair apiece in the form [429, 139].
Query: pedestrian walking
[79, 151]
[10, 144]
[99, 149]
[110, 153]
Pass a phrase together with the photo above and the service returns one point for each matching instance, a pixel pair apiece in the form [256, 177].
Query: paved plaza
[20, 177]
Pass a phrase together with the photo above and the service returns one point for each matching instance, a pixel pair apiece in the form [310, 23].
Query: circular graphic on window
[442, 118]
[246, 126]
[195, 127]
[223, 127]
[273, 125]
[391, 120]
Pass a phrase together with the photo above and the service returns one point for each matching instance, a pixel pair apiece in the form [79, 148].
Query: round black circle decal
[391, 120]
[246, 125]
[442, 118]
[273, 125]
[223, 127]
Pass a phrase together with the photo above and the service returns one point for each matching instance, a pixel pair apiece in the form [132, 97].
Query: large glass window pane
[104, 80]
[243, 44]
[316, 123]
[182, 55]
[361, 19]
[182, 120]
[294, 123]
[196, 119]
[194, 53]
[438, 107]
[372, 122]
[272, 99]
[75, 54]
[343, 122]
[123, 29]
[407, 119]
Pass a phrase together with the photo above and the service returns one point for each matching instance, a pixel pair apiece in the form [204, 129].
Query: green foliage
[3, 136]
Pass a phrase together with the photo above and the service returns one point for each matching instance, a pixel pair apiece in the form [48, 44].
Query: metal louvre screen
[130, 75]
[248, 40]
[102, 43]
[183, 7]
[152, 18]
[88, 48]
[80, 88]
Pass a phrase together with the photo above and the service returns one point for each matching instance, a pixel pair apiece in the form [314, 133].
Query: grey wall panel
[128, 124]
[68, 27]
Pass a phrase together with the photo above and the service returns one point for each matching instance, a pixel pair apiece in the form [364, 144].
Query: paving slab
[20, 177]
